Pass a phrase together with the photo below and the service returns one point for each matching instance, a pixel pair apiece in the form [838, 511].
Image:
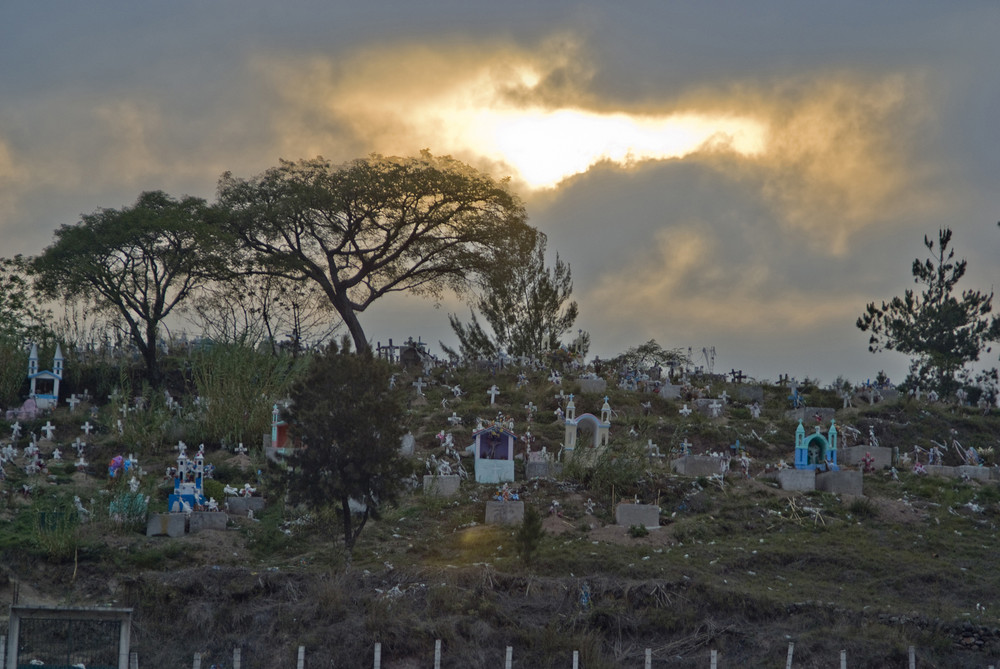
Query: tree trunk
[350, 316]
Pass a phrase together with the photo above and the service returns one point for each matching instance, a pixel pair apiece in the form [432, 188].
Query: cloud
[830, 152]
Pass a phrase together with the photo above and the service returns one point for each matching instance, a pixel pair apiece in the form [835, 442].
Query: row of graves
[818, 459]
[38, 455]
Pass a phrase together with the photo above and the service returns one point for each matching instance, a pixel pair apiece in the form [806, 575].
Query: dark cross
[783, 379]
[737, 375]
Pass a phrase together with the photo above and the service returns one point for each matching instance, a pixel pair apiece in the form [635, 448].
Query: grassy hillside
[738, 565]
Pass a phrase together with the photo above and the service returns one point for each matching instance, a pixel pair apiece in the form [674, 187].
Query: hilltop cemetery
[701, 500]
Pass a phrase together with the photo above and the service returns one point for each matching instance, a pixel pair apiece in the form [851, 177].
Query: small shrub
[862, 507]
[637, 531]
[528, 536]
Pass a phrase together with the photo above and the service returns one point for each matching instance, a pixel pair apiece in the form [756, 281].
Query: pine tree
[942, 331]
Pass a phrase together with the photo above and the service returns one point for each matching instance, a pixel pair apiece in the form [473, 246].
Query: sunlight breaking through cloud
[545, 147]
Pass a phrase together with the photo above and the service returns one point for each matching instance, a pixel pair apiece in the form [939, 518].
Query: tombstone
[847, 482]
[407, 444]
[445, 485]
[243, 506]
[504, 513]
[493, 392]
[853, 456]
[207, 520]
[597, 385]
[166, 524]
[643, 515]
[669, 391]
[541, 469]
[802, 480]
[700, 465]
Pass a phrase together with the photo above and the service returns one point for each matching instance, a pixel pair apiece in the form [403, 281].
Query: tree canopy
[350, 423]
[944, 332]
[137, 262]
[372, 226]
[525, 304]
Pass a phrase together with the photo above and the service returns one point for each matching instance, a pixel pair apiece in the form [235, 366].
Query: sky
[729, 175]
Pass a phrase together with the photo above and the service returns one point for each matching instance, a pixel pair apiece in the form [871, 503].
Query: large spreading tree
[373, 226]
[138, 263]
[350, 422]
[942, 330]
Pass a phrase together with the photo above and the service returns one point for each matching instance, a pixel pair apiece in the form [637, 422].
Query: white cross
[685, 411]
[87, 427]
[653, 449]
[555, 378]
[181, 448]
[48, 429]
[715, 406]
[454, 418]
[15, 430]
[685, 447]
[530, 406]
[493, 392]
[241, 449]
[121, 427]
[72, 402]
[123, 409]
[419, 385]
[79, 446]
[724, 397]
[561, 396]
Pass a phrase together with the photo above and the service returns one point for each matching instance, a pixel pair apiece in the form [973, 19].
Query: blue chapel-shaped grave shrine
[816, 451]
[188, 482]
[45, 383]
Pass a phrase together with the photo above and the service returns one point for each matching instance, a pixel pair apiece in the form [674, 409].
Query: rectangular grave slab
[842, 482]
[808, 415]
[238, 506]
[166, 524]
[494, 471]
[541, 470]
[749, 393]
[593, 385]
[941, 470]
[797, 479]
[699, 465]
[441, 486]
[973, 472]
[644, 515]
[504, 513]
[208, 520]
[669, 391]
[852, 456]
